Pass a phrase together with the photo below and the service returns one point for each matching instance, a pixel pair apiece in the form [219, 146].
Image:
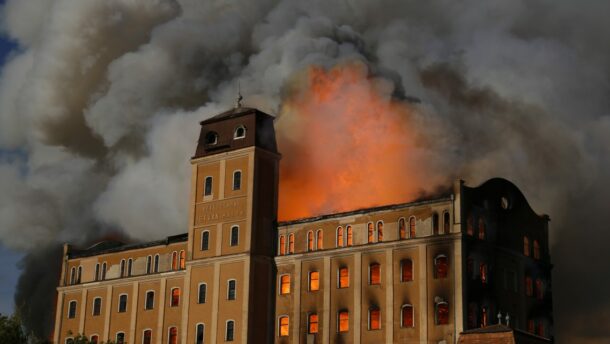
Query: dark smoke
[102, 101]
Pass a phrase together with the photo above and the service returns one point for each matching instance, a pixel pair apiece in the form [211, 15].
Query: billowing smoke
[99, 112]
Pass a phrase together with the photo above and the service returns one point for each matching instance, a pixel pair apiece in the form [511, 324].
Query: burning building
[439, 269]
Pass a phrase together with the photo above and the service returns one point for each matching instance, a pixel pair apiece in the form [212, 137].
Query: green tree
[11, 330]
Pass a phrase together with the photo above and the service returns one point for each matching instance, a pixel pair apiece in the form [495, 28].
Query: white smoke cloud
[103, 98]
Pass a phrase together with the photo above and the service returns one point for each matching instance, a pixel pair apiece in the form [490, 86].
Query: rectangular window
[442, 313]
[200, 334]
[175, 300]
[203, 289]
[406, 315]
[97, 306]
[147, 337]
[314, 281]
[123, 303]
[150, 300]
[284, 326]
[72, 310]
[284, 284]
[237, 180]
[230, 331]
[208, 186]
[374, 319]
[375, 274]
[406, 270]
[234, 235]
[312, 323]
[205, 240]
[343, 278]
[291, 243]
[231, 290]
[120, 338]
[343, 321]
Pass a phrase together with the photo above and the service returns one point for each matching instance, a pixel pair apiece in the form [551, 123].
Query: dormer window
[240, 132]
[211, 138]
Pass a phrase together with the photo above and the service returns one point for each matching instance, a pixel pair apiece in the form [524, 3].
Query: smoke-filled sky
[100, 103]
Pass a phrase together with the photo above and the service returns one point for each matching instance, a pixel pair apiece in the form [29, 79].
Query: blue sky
[9, 273]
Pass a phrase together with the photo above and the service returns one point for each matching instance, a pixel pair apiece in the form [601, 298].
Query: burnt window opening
[375, 274]
[470, 225]
[200, 334]
[343, 321]
[435, 224]
[446, 223]
[207, 189]
[483, 272]
[371, 232]
[374, 318]
[314, 281]
[205, 240]
[211, 138]
[402, 228]
[526, 246]
[97, 306]
[412, 231]
[283, 326]
[539, 289]
[203, 291]
[529, 288]
[149, 303]
[481, 228]
[406, 270]
[234, 236]
[536, 250]
[122, 303]
[343, 277]
[291, 243]
[175, 298]
[406, 316]
[312, 323]
[284, 284]
[379, 231]
[231, 289]
[484, 317]
[441, 266]
[239, 133]
[237, 180]
[441, 313]
[472, 315]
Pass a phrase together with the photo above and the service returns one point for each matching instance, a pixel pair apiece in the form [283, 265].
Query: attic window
[240, 132]
[211, 138]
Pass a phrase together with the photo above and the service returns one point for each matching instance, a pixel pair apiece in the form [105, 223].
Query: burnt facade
[420, 272]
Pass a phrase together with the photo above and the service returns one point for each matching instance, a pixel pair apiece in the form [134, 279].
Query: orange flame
[346, 144]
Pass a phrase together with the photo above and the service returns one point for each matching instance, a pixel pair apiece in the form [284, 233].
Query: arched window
[175, 300]
[343, 277]
[412, 232]
[211, 138]
[207, 188]
[529, 288]
[203, 290]
[446, 223]
[234, 235]
[339, 236]
[72, 310]
[79, 273]
[230, 331]
[182, 260]
[174, 261]
[441, 266]
[350, 238]
[122, 303]
[483, 272]
[120, 338]
[374, 318]
[406, 316]
[470, 225]
[539, 289]
[240, 132]
[282, 248]
[379, 231]
[103, 271]
[205, 240]
[402, 228]
[481, 228]
[442, 313]
[149, 303]
[312, 323]
[147, 337]
[97, 306]
[122, 267]
[343, 319]
[291, 243]
[237, 180]
[283, 326]
[129, 266]
[231, 289]
[314, 281]
[406, 270]
[374, 274]
[484, 317]
[526, 246]
[284, 284]
[172, 335]
[536, 249]
[435, 224]
[319, 239]
[156, 263]
[310, 241]
[148, 264]
[97, 272]
[73, 275]
[199, 333]
[94, 339]
[371, 232]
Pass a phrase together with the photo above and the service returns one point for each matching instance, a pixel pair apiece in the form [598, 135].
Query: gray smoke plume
[99, 112]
